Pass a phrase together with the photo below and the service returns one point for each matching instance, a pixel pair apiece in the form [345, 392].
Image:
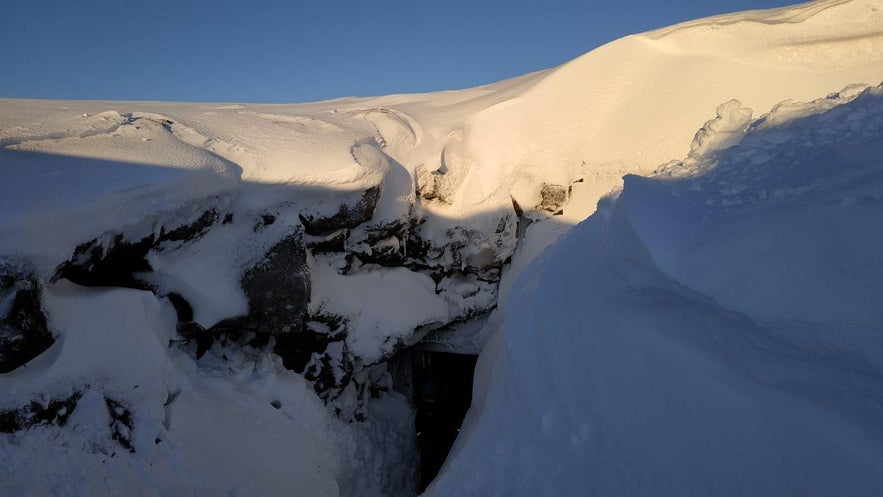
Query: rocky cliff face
[203, 258]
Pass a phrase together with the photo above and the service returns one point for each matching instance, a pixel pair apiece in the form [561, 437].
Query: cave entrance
[439, 385]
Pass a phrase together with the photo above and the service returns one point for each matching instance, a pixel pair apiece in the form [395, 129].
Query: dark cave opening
[439, 385]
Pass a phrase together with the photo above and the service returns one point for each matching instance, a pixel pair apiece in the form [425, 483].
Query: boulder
[113, 260]
[348, 216]
[24, 332]
[278, 288]
[553, 198]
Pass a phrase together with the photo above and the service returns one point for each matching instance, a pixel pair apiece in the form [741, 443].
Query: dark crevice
[95, 265]
[121, 423]
[182, 308]
[55, 412]
[439, 385]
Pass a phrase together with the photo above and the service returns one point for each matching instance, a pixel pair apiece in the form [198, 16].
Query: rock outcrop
[24, 332]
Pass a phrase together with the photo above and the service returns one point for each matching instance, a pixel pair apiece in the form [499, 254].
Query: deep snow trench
[439, 386]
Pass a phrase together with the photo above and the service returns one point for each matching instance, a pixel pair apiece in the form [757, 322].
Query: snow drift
[713, 330]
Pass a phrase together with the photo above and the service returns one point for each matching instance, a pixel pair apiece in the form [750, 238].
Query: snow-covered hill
[163, 264]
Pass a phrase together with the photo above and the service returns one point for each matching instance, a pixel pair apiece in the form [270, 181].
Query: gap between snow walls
[371, 315]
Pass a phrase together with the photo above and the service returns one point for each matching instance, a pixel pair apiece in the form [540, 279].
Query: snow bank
[710, 331]
[148, 421]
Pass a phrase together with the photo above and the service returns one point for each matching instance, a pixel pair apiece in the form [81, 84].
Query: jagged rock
[299, 350]
[266, 219]
[189, 329]
[121, 423]
[427, 182]
[194, 230]
[24, 332]
[34, 413]
[386, 252]
[473, 251]
[110, 260]
[380, 243]
[348, 216]
[94, 264]
[553, 198]
[333, 242]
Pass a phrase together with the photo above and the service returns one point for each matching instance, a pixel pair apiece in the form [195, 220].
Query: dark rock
[297, 349]
[265, 220]
[182, 307]
[333, 242]
[415, 249]
[24, 332]
[320, 354]
[191, 231]
[518, 210]
[553, 197]
[278, 291]
[121, 423]
[191, 330]
[383, 253]
[118, 263]
[268, 219]
[378, 232]
[278, 288]
[94, 265]
[229, 326]
[347, 217]
[381, 244]
[55, 412]
[431, 184]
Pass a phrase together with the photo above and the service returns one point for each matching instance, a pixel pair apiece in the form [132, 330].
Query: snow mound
[622, 108]
[712, 330]
[142, 418]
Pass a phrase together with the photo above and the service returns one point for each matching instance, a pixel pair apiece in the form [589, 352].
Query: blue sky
[296, 51]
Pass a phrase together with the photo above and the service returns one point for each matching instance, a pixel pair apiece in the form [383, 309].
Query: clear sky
[302, 50]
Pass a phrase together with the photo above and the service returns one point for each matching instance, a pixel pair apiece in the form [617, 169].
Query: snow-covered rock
[24, 333]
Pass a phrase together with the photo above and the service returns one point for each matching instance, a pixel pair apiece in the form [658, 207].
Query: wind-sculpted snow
[712, 330]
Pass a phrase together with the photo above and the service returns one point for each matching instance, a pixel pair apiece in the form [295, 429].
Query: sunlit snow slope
[712, 330]
[627, 106]
[718, 320]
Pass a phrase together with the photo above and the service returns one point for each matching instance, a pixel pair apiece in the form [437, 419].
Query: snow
[364, 298]
[710, 330]
[198, 430]
[623, 108]
[697, 336]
